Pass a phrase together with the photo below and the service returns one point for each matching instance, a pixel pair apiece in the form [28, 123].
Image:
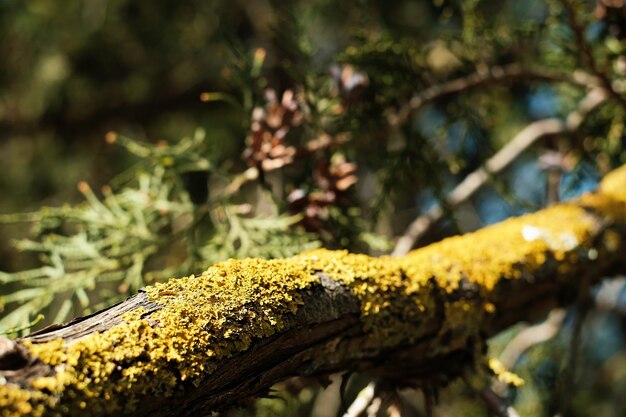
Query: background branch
[488, 76]
[586, 54]
[503, 158]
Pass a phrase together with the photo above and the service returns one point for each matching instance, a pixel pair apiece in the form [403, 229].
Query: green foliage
[255, 237]
[141, 230]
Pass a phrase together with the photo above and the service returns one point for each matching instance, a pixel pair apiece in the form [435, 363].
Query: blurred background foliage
[263, 128]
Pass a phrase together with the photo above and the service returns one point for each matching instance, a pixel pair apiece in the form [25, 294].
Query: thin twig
[608, 295]
[568, 378]
[499, 406]
[394, 411]
[374, 407]
[583, 47]
[240, 180]
[493, 75]
[362, 401]
[569, 374]
[503, 158]
[526, 339]
[532, 336]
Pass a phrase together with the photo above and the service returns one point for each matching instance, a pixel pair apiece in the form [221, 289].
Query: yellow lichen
[504, 250]
[392, 306]
[17, 402]
[614, 184]
[202, 320]
[205, 319]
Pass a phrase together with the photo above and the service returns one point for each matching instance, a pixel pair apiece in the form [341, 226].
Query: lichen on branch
[245, 324]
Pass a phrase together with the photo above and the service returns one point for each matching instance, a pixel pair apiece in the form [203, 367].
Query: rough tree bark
[198, 344]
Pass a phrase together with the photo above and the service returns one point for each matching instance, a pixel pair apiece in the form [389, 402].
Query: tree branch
[503, 158]
[586, 53]
[198, 344]
[493, 75]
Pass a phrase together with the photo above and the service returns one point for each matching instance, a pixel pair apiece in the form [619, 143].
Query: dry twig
[493, 75]
[582, 46]
[503, 158]
[531, 336]
[362, 401]
[499, 406]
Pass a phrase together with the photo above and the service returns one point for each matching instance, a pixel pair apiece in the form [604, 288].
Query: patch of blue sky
[543, 103]
[594, 31]
[580, 180]
[461, 140]
[525, 180]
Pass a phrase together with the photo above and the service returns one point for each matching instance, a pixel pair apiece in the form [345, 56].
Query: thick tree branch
[198, 344]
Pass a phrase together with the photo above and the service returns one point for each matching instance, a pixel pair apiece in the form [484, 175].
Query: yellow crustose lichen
[203, 319]
[506, 250]
[213, 316]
